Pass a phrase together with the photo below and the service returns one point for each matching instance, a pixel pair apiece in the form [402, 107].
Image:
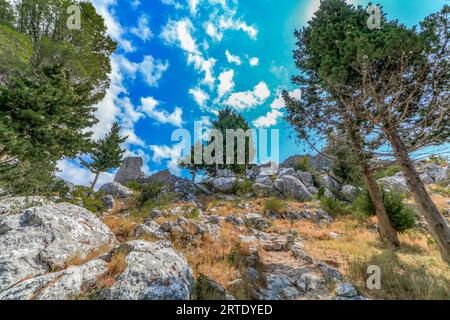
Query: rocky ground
[211, 242]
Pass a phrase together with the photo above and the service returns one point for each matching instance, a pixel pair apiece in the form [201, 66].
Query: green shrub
[401, 217]
[439, 160]
[387, 172]
[335, 207]
[191, 213]
[149, 192]
[133, 185]
[91, 202]
[275, 205]
[243, 187]
[303, 165]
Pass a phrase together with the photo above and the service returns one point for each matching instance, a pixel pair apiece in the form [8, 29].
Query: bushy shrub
[401, 217]
[133, 185]
[275, 205]
[387, 172]
[243, 187]
[335, 207]
[149, 192]
[303, 165]
[91, 201]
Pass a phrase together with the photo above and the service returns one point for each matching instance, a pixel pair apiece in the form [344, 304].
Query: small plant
[92, 202]
[275, 205]
[303, 165]
[122, 227]
[243, 187]
[401, 217]
[335, 207]
[149, 192]
[133, 185]
[387, 172]
[439, 160]
[191, 213]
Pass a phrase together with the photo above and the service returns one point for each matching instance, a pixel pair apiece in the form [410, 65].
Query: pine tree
[106, 153]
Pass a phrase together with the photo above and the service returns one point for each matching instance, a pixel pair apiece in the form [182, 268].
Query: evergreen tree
[106, 153]
[228, 119]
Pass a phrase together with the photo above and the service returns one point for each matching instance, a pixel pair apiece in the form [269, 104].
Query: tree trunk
[437, 225]
[387, 231]
[94, 183]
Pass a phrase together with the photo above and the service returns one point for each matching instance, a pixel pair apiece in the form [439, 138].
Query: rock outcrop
[292, 187]
[130, 170]
[43, 238]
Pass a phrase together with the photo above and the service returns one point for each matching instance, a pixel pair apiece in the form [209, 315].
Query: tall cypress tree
[106, 153]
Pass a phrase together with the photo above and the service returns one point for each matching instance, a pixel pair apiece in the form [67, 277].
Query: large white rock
[349, 192]
[306, 178]
[329, 183]
[71, 283]
[115, 189]
[223, 184]
[41, 238]
[11, 205]
[395, 183]
[155, 271]
[291, 187]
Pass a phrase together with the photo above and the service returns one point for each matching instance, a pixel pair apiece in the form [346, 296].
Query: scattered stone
[115, 189]
[108, 202]
[291, 187]
[345, 290]
[328, 194]
[349, 192]
[237, 221]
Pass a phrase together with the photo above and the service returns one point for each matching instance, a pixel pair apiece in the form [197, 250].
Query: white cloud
[271, 118]
[150, 68]
[135, 4]
[173, 153]
[233, 59]
[193, 6]
[75, 173]
[249, 99]
[204, 65]
[212, 31]
[229, 23]
[148, 107]
[226, 83]
[179, 33]
[254, 61]
[200, 96]
[142, 30]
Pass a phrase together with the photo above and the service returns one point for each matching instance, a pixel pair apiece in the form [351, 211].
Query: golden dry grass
[116, 266]
[122, 227]
[78, 259]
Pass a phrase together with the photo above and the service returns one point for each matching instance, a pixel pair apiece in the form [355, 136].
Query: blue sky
[180, 61]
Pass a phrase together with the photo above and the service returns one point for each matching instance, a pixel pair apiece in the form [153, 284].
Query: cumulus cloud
[249, 99]
[212, 31]
[229, 23]
[149, 107]
[232, 58]
[150, 68]
[199, 96]
[179, 33]
[254, 61]
[272, 117]
[171, 153]
[226, 83]
[142, 30]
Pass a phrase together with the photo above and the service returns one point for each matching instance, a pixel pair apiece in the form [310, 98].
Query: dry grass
[78, 259]
[116, 266]
[209, 257]
[122, 227]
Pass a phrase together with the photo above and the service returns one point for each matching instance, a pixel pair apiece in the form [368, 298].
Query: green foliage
[228, 119]
[15, 51]
[402, 217]
[387, 172]
[303, 165]
[153, 196]
[335, 207]
[91, 201]
[439, 160]
[43, 117]
[6, 14]
[27, 178]
[106, 153]
[275, 205]
[243, 187]
[133, 185]
[191, 212]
